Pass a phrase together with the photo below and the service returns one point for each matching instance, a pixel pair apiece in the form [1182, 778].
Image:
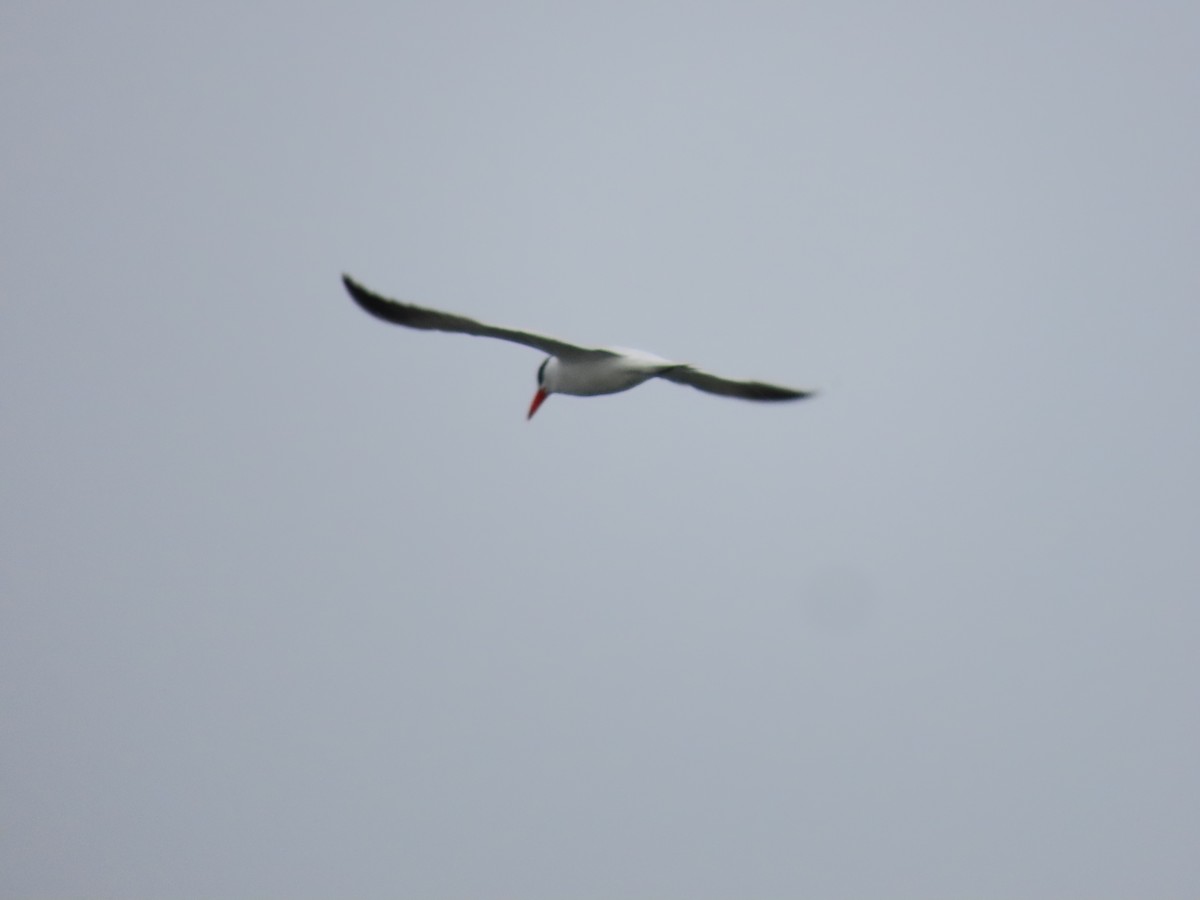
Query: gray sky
[298, 604]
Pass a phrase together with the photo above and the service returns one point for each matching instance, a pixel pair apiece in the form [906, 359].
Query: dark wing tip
[727, 387]
[355, 289]
[771, 394]
[361, 295]
[382, 308]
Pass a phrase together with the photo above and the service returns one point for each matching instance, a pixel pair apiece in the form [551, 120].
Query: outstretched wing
[412, 316]
[727, 387]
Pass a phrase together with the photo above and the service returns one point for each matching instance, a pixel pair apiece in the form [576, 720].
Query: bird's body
[571, 368]
[618, 370]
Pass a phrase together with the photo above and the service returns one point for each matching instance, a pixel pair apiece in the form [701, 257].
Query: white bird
[570, 368]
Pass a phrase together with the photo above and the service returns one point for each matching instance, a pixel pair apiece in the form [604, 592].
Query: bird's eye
[542, 370]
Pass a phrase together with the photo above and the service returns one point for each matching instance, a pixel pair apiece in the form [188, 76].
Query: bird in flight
[570, 368]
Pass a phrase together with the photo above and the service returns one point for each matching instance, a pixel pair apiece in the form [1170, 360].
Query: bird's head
[543, 391]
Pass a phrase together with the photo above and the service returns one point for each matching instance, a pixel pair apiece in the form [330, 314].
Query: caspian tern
[570, 368]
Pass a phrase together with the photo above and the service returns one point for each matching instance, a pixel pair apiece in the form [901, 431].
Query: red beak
[538, 399]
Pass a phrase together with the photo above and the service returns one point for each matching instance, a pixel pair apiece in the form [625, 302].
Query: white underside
[601, 375]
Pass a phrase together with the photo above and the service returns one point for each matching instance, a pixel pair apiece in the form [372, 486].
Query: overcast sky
[297, 604]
